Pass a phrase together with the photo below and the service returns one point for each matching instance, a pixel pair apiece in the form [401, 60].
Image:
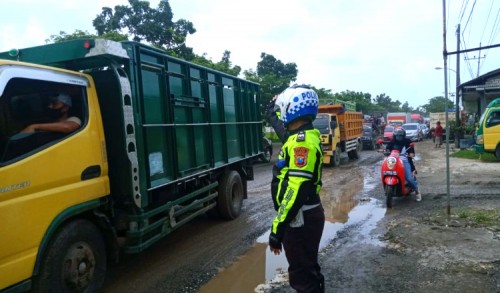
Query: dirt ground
[422, 248]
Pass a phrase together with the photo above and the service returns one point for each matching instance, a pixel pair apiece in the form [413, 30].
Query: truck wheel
[230, 199]
[336, 157]
[497, 152]
[75, 260]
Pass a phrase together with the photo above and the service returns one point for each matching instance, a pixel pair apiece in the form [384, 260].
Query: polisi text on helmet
[309, 95]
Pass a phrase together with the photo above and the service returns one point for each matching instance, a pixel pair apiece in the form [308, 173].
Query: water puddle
[342, 209]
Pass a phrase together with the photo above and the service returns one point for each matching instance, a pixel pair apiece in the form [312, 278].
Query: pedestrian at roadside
[438, 135]
[298, 225]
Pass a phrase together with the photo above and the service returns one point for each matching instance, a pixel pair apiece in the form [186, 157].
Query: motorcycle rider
[298, 225]
[403, 145]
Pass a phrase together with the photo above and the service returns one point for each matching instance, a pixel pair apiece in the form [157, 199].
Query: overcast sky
[379, 46]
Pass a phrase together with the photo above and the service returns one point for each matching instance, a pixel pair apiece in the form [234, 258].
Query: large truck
[441, 117]
[398, 118]
[488, 131]
[162, 141]
[416, 118]
[341, 132]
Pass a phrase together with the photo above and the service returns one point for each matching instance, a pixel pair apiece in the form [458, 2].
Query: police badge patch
[300, 154]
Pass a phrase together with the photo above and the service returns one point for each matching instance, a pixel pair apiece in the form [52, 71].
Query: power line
[470, 15]
[462, 9]
[487, 20]
[495, 26]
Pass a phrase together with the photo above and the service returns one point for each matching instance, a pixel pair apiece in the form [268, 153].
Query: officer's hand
[271, 104]
[275, 244]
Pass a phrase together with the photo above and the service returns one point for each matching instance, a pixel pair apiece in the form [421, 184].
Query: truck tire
[75, 260]
[230, 199]
[497, 152]
[336, 157]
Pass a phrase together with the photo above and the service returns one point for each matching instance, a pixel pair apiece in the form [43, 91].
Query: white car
[413, 131]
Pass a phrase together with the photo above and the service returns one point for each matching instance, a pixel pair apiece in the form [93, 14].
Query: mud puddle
[346, 205]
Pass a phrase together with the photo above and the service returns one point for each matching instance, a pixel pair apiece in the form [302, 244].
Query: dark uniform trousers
[301, 248]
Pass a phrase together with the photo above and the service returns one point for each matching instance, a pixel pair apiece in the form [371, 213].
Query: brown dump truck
[341, 131]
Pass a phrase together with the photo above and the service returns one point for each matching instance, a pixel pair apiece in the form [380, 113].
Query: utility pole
[478, 58]
[458, 133]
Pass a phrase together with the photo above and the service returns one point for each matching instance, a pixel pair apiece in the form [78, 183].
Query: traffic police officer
[296, 183]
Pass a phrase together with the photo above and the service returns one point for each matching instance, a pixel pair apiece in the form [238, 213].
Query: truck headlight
[391, 162]
[480, 139]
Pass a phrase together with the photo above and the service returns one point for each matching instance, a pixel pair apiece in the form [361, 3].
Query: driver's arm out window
[26, 102]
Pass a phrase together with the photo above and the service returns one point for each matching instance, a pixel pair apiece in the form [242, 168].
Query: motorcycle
[393, 176]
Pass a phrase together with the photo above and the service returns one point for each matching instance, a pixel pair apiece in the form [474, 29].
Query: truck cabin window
[322, 124]
[493, 119]
[35, 114]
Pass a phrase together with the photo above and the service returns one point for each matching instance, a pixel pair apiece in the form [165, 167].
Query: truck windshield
[321, 123]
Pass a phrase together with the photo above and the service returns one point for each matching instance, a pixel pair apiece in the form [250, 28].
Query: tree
[143, 23]
[406, 107]
[387, 103]
[273, 75]
[79, 34]
[438, 104]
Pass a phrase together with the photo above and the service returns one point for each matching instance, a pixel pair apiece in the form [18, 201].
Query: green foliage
[79, 34]
[225, 65]
[143, 23]
[471, 154]
[438, 104]
[385, 102]
[480, 217]
[273, 75]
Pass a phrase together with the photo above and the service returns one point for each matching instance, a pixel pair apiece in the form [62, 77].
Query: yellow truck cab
[488, 131]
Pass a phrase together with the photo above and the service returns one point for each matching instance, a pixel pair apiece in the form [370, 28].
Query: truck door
[492, 130]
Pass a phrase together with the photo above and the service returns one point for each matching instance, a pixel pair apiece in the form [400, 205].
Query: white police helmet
[297, 101]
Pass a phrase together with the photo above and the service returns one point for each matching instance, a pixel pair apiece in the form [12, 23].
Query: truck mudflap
[351, 145]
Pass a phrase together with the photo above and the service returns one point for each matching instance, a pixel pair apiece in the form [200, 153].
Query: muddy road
[365, 247]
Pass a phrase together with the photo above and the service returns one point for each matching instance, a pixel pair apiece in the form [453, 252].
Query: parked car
[413, 131]
[369, 138]
[268, 149]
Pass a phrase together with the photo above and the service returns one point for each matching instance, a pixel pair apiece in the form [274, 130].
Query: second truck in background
[341, 132]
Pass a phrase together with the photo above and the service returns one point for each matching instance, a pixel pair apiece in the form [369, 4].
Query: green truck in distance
[161, 142]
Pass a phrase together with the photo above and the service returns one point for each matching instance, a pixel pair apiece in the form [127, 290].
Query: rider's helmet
[399, 134]
[298, 101]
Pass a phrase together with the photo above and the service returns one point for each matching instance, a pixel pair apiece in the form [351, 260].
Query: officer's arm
[273, 120]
